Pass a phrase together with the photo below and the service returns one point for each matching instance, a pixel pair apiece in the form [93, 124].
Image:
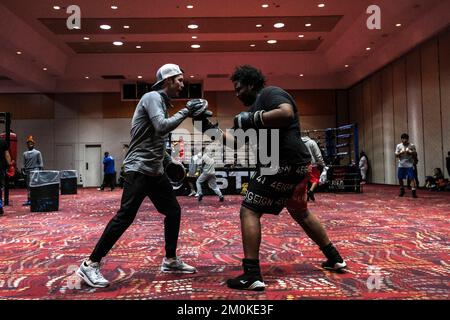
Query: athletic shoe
[311, 196]
[402, 192]
[334, 265]
[414, 194]
[192, 194]
[221, 198]
[91, 275]
[246, 281]
[200, 197]
[176, 266]
[100, 189]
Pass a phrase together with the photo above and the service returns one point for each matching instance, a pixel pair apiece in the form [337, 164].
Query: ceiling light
[118, 43]
[45, 69]
[346, 65]
[259, 25]
[86, 38]
[308, 25]
[195, 46]
[190, 6]
[191, 76]
[138, 47]
[271, 41]
[56, 7]
[398, 25]
[192, 26]
[265, 5]
[126, 27]
[253, 45]
[301, 75]
[279, 25]
[76, 27]
[105, 27]
[19, 52]
[368, 49]
[194, 37]
[139, 77]
[321, 5]
[86, 77]
[114, 7]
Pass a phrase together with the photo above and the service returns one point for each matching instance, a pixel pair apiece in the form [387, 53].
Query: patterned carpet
[396, 248]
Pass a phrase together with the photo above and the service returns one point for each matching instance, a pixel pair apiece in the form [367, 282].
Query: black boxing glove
[197, 107]
[246, 120]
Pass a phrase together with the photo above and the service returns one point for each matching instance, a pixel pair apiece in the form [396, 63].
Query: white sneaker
[193, 193]
[91, 275]
[196, 195]
[176, 266]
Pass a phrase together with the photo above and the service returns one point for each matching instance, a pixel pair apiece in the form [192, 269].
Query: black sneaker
[200, 197]
[334, 260]
[246, 281]
[311, 196]
[414, 194]
[221, 198]
[402, 192]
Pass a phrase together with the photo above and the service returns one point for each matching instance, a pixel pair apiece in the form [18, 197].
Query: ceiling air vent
[113, 77]
[217, 75]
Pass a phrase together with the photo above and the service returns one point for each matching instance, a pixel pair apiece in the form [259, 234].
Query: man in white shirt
[406, 152]
[317, 164]
[209, 175]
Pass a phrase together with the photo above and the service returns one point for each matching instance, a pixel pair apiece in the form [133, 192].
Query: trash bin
[68, 181]
[44, 191]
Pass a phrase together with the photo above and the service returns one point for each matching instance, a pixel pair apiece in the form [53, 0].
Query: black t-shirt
[3, 148]
[292, 148]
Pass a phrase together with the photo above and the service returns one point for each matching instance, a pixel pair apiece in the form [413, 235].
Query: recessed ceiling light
[194, 37]
[86, 38]
[19, 52]
[192, 26]
[321, 5]
[265, 5]
[76, 27]
[139, 77]
[138, 47]
[301, 35]
[259, 25]
[118, 43]
[301, 75]
[126, 27]
[86, 77]
[368, 49]
[191, 76]
[56, 7]
[114, 7]
[271, 41]
[398, 25]
[190, 6]
[346, 65]
[45, 69]
[195, 46]
[253, 45]
[105, 27]
[279, 25]
[308, 25]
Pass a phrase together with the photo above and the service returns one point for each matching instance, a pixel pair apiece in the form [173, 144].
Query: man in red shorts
[317, 165]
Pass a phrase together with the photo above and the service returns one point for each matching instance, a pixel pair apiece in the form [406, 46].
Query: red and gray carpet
[396, 248]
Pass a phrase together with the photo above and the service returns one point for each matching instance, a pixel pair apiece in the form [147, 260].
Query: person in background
[208, 175]
[406, 152]
[194, 172]
[363, 166]
[317, 165]
[5, 163]
[448, 163]
[32, 161]
[109, 171]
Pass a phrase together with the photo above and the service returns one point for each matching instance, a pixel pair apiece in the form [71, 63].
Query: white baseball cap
[166, 71]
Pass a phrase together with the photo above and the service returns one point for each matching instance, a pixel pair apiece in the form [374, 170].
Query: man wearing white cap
[145, 176]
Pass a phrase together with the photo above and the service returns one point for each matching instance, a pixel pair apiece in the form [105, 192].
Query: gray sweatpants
[212, 183]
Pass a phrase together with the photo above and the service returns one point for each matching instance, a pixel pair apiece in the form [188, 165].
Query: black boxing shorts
[285, 189]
